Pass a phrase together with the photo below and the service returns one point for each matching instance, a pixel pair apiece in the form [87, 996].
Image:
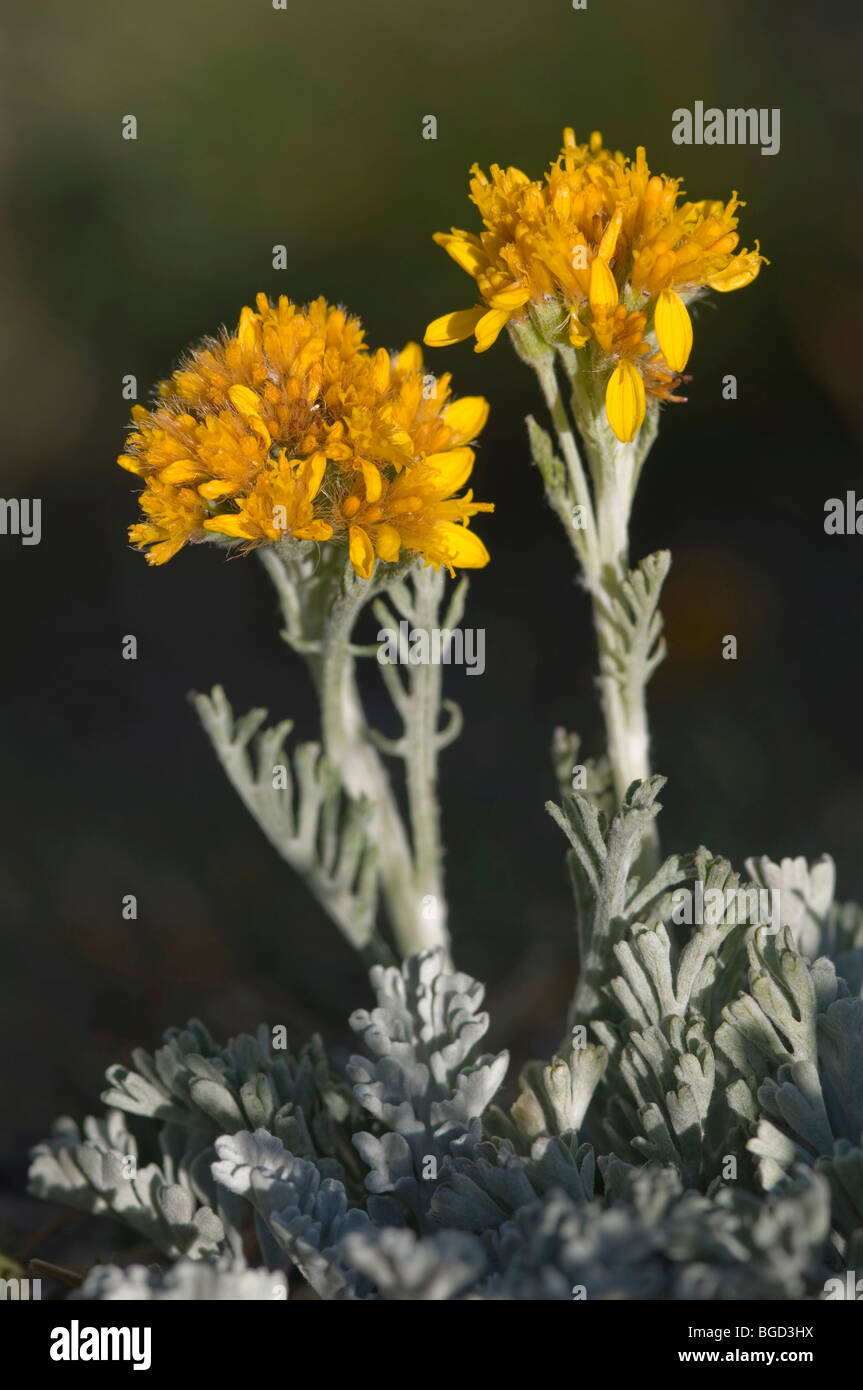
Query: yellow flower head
[610, 246]
[292, 427]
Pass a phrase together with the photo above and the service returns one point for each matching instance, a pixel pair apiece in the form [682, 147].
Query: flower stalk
[409, 864]
[594, 505]
[419, 701]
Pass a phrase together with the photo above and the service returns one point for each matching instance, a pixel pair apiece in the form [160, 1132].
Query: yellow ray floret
[624, 400]
[673, 329]
[618, 247]
[417, 510]
[290, 426]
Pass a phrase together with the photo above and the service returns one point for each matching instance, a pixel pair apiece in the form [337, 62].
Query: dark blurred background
[303, 127]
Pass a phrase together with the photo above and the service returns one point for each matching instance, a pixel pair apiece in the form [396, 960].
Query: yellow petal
[603, 289]
[624, 401]
[246, 329]
[187, 384]
[488, 328]
[372, 480]
[741, 272]
[608, 245]
[313, 471]
[465, 253]
[361, 552]
[182, 472]
[453, 328]
[232, 524]
[315, 531]
[144, 533]
[166, 550]
[463, 547]
[260, 429]
[466, 417]
[133, 465]
[244, 399]
[217, 489]
[388, 543]
[381, 370]
[410, 359]
[673, 329]
[452, 467]
[511, 298]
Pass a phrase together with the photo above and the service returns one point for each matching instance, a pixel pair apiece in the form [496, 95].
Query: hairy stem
[348, 748]
[422, 717]
[409, 874]
[587, 549]
[624, 699]
[600, 539]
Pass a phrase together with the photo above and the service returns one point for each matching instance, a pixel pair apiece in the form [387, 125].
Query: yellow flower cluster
[611, 244]
[291, 426]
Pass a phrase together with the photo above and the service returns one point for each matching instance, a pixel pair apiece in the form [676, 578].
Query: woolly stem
[422, 717]
[348, 747]
[409, 869]
[599, 534]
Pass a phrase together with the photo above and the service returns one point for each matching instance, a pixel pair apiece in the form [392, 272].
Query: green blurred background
[303, 127]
